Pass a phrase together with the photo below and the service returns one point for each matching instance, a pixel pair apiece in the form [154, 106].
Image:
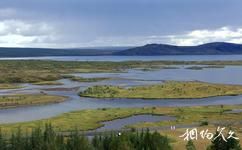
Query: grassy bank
[78, 119]
[87, 119]
[9, 86]
[32, 71]
[170, 89]
[9, 101]
[80, 79]
[205, 67]
[47, 83]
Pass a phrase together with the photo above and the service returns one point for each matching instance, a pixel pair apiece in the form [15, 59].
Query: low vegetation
[47, 83]
[170, 89]
[8, 101]
[154, 68]
[80, 79]
[9, 86]
[32, 71]
[204, 67]
[88, 120]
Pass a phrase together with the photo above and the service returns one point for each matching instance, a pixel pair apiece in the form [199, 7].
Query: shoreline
[166, 90]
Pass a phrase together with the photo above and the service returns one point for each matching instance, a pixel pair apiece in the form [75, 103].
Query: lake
[133, 77]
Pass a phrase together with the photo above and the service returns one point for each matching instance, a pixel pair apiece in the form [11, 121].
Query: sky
[97, 23]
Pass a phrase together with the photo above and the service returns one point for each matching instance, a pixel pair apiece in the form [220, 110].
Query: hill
[218, 48]
[38, 52]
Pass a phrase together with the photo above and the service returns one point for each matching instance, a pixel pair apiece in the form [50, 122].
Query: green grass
[204, 67]
[83, 120]
[170, 89]
[32, 71]
[80, 79]
[9, 86]
[154, 68]
[47, 83]
[39, 71]
[91, 119]
[9, 101]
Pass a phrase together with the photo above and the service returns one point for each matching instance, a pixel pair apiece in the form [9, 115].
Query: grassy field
[9, 86]
[47, 83]
[32, 71]
[80, 79]
[39, 71]
[170, 89]
[47, 72]
[9, 101]
[205, 67]
[87, 119]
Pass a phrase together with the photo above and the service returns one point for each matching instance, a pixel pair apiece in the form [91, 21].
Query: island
[166, 90]
[10, 101]
[9, 86]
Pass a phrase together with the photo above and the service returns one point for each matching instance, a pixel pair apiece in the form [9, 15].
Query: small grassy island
[81, 79]
[170, 89]
[205, 67]
[4, 86]
[9, 101]
[48, 83]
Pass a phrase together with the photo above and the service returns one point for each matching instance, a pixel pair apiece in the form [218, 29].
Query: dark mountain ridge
[38, 52]
[217, 48]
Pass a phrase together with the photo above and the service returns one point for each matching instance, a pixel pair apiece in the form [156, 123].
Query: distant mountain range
[38, 52]
[217, 48]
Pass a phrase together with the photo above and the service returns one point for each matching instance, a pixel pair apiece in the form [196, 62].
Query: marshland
[87, 95]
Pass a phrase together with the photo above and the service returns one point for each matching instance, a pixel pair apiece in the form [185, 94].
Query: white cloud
[19, 33]
[14, 33]
[196, 37]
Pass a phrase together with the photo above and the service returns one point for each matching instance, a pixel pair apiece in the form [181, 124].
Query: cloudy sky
[85, 23]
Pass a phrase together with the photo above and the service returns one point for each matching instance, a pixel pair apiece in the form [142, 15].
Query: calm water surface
[228, 75]
[118, 124]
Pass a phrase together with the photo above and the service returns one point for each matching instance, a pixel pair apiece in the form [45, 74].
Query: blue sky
[90, 23]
